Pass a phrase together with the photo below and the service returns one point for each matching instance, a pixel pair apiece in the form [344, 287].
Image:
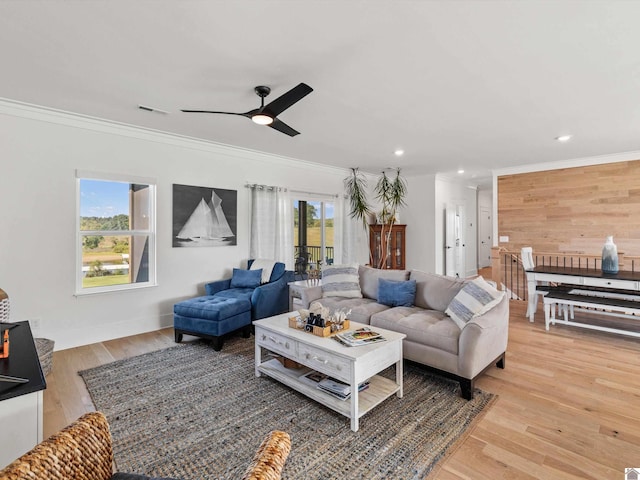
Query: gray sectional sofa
[433, 338]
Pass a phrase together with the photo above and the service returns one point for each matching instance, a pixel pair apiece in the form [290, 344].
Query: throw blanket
[266, 266]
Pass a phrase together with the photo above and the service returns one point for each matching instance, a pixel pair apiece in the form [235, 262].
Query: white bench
[612, 306]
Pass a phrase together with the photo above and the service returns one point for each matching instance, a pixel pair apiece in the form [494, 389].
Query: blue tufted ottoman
[211, 317]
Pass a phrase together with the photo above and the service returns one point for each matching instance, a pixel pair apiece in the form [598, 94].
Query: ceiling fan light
[262, 119]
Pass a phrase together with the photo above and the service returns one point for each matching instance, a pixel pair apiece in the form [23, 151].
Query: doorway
[455, 241]
[484, 238]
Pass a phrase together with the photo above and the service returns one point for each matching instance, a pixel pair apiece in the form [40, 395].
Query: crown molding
[570, 163]
[50, 115]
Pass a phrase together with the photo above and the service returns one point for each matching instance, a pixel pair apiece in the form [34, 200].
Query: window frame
[151, 233]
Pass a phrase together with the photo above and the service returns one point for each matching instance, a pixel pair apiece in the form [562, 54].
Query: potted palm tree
[390, 192]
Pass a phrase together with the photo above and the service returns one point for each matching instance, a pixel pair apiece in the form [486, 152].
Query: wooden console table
[20, 403]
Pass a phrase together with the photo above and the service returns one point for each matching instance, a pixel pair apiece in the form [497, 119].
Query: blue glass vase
[609, 257]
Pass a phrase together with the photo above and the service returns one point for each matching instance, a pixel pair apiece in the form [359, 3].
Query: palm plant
[356, 186]
[390, 192]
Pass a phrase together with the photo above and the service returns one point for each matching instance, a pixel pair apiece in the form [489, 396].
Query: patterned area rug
[192, 413]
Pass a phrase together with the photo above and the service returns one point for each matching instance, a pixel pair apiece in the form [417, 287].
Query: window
[115, 233]
[313, 234]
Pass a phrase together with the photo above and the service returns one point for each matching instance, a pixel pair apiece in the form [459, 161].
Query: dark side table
[20, 403]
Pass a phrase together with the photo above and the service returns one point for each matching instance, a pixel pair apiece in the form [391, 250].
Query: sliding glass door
[312, 234]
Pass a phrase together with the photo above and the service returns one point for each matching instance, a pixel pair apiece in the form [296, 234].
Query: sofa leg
[466, 388]
[217, 343]
[500, 362]
[178, 336]
[246, 331]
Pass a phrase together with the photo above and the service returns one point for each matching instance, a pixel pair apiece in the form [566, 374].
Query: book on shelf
[330, 385]
[362, 336]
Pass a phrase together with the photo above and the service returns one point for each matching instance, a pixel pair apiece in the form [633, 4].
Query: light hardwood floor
[568, 406]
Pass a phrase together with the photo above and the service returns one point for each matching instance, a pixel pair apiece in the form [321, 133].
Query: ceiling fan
[267, 114]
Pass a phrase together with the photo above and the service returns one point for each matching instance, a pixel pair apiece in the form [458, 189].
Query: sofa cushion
[475, 298]
[239, 293]
[341, 281]
[396, 294]
[246, 278]
[435, 292]
[278, 270]
[369, 279]
[427, 327]
[212, 307]
[361, 308]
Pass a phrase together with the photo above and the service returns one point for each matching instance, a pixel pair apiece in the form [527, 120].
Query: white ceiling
[477, 85]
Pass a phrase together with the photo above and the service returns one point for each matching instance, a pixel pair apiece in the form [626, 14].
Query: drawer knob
[608, 283]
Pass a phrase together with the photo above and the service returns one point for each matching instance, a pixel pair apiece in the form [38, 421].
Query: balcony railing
[508, 272]
[313, 254]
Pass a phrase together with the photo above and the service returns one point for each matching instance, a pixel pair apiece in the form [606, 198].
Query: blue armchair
[226, 308]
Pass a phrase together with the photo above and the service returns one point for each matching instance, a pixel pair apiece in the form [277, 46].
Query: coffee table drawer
[277, 343]
[324, 362]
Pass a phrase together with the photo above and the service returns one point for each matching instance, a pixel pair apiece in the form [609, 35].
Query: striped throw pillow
[341, 281]
[476, 298]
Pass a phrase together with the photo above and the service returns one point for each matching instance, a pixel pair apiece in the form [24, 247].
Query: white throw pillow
[266, 266]
[475, 298]
[341, 281]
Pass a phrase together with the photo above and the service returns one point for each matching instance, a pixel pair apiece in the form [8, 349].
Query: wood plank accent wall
[572, 210]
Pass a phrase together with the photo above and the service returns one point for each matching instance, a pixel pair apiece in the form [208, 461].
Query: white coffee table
[351, 365]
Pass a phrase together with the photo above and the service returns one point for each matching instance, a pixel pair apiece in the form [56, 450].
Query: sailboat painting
[204, 216]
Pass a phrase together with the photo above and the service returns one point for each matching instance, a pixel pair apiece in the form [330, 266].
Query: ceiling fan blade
[284, 128]
[211, 111]
[285, 100]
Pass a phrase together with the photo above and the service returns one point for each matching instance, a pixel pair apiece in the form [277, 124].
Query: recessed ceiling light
[461, 170]
[399, 152]
[564, 138]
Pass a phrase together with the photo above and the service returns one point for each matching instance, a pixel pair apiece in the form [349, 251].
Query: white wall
[40, 151]
[420, 217]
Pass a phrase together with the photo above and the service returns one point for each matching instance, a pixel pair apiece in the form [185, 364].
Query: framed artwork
[204, 216]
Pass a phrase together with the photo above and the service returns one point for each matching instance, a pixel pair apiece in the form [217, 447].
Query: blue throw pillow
[395, 293]
[246, 278]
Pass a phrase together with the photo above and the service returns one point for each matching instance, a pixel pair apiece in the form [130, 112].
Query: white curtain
[349, 236]
[272, 225]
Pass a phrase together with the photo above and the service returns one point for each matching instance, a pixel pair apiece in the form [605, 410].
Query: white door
[449, 242]
[454, 241]
[484, 237]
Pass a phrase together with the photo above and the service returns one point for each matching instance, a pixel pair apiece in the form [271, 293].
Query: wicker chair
[83, 451]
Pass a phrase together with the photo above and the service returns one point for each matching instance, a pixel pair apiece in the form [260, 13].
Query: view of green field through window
[107, 231]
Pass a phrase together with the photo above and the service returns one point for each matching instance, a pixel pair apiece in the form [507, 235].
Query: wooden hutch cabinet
[395, 248]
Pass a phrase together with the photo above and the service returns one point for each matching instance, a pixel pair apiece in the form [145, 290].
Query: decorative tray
[318, 331]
